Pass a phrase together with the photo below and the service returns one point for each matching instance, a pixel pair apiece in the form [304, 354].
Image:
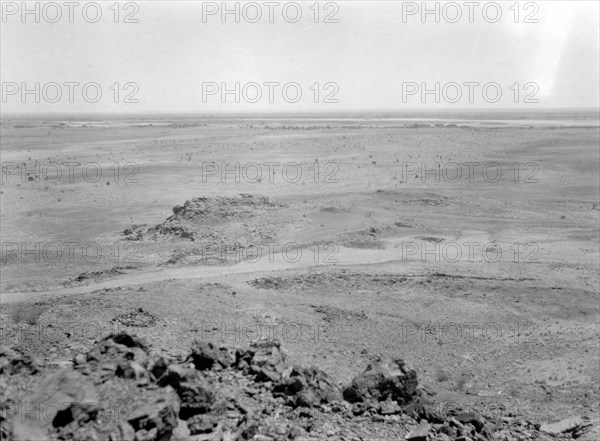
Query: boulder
[175, 375]
[13, 361]
[113, 354]
[204, 355]
[195, 392]
[420, 432]
[382, 379]
[264, 359]
[565, 425]
[61, 399]
[425, 408]
[307, 387]
[158, 419]
[157, 366]
[472, 418]
[130, 370]
[196, 398]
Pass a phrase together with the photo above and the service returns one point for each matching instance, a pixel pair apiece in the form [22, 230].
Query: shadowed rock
[205, 355]
[13, 360]
[118, 354]
[195, 392]
[157, 420]
[264, 359]
[382, 379]
[67, 397]
[307, 387]
[254, 397]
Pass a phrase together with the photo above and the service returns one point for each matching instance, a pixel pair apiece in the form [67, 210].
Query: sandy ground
[354, 258]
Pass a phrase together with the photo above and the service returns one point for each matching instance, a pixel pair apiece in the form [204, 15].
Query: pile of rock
[119, 391]
[207, 218]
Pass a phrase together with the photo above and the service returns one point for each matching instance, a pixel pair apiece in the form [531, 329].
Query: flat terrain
[324, 233]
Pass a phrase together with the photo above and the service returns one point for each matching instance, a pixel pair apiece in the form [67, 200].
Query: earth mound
[207, 218]
[216, 230]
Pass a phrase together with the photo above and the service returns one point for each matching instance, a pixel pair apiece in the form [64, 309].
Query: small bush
[25, 313]
[441, 375]
[461, 383]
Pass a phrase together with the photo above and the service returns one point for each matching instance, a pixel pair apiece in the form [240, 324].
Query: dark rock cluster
[120, 391]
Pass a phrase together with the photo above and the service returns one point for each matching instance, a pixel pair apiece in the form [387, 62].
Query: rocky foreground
[121, 391]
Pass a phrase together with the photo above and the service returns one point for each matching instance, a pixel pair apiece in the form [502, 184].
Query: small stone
[146, 435]
[295, 432]
[420, 432]
[262, 438]
[471, 418]
[389, 407]
[562, 426]
[449, 431]
[201, 424]
[159, 416]
[13, 360]
[204, 354]
[250, 391]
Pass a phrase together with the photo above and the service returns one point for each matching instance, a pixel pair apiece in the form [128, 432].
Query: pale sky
[369, 54]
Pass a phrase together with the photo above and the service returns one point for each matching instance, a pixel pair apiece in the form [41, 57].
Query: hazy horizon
[364, 60]
[588, 113]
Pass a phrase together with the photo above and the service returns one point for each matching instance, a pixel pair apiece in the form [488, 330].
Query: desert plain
[465, 244]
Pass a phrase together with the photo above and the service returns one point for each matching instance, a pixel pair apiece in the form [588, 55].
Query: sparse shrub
[461, 383]
[24, 313]
[441, 376]
[513, 391]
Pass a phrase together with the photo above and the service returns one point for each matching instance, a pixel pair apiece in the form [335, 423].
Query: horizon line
[4, 115]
